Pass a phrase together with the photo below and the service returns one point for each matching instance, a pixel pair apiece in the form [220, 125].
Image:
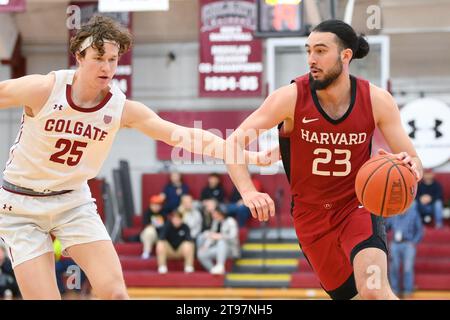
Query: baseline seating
[275, 185]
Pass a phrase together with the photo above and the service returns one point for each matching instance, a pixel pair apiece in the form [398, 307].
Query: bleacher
[432, 263]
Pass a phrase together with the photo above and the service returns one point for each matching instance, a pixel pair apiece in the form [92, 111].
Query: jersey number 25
[73, 148]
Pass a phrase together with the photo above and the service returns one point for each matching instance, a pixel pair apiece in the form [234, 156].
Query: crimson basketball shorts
[330, 240]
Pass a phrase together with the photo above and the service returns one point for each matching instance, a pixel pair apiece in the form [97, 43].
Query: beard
[329, 78]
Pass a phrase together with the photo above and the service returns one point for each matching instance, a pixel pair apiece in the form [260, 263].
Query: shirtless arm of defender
[30, 92]
[387, 119]
[138, 116]
[278, 107]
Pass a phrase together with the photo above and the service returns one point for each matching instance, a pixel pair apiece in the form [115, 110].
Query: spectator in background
[175, 242]
[191, 216]
[172, 193]
[8, 283]
[153, 222]
[407, 230]
[218, 243]
[208, 207]
[430, 199]
[214, 189]
[236, 206]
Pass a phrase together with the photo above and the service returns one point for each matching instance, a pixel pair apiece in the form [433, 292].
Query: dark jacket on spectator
[216, 193]
[173, 196]
[434, 190]
[155, 219]
[175, 236]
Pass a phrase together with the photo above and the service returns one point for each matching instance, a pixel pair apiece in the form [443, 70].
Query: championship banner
[230, 57]
[88, 9]
[12, 5]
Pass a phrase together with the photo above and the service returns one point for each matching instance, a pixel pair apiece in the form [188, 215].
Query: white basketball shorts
[27, 223]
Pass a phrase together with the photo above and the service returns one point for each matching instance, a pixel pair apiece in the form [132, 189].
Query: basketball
[385, 186]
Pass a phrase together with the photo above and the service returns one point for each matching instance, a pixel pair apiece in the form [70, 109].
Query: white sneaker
[145, 255]
[162, 269]
[188, 269]
[217, 269]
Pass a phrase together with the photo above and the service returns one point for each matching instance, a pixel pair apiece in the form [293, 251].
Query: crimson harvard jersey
[322, 155]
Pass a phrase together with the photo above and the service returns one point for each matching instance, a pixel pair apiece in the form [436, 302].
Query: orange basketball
[385, 186]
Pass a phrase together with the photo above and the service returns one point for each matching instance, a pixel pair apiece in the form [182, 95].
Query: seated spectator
[237, 208]
[214, 189]
[191, 216]
[430, 199]
[152, 222]
[172, 193]
[407, 230]
[218, 243]
[8, 283]
[175, 242]
[208, 207]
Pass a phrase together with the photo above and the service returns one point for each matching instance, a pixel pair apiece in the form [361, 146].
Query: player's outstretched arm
[387, 118]
[30, 91]
[138, 116]
[278, 107]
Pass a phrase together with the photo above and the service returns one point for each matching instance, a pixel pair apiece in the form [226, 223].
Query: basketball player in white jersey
[69, 123]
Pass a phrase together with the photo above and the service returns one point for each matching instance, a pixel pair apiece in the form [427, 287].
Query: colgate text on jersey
[78, 128]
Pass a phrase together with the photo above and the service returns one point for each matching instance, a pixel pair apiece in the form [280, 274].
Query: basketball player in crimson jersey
[327, 118]
[69, 123]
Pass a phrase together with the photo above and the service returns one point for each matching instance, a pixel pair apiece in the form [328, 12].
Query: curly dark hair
[101, 28]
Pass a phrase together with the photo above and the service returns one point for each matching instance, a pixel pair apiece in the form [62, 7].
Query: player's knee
[118, 293]
[116, 290]
[111, 288]
[366, 293]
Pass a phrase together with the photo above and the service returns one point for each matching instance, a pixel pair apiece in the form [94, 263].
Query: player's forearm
[203, 142]
[209, 144]
[237, 169]
[240, 176]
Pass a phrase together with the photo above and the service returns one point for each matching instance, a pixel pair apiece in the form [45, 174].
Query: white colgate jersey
[64, 145]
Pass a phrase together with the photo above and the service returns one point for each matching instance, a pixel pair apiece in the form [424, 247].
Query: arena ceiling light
[132, 5]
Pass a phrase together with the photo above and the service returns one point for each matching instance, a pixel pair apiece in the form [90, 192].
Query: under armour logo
[414, 129]
[7, 207]
[57, 107]
[412, 124]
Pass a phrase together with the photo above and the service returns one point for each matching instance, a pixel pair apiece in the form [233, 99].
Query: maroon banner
[230, 56]
[12, 5]
[124, 69]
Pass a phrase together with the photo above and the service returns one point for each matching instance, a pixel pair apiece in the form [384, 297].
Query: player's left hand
[406, 159]
[260, 204]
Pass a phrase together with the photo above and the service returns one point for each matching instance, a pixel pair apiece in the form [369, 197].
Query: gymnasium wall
[158, 83]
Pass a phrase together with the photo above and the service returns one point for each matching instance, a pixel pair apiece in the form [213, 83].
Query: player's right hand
[260, 204]
[406, 159]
